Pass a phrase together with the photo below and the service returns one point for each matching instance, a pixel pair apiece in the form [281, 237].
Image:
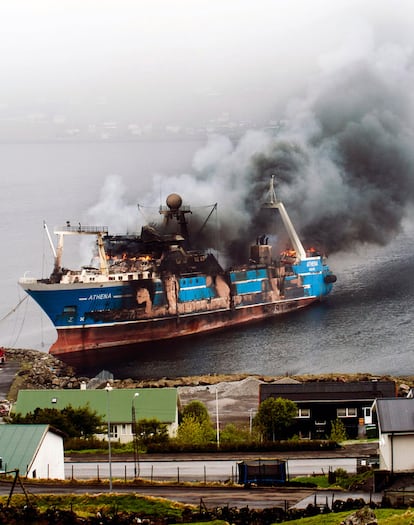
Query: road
[7, 374]
[207, 496]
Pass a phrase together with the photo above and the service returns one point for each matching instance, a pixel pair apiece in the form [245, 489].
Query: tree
[233, 435]
[197, 410]
[74, 422]
[274, 417]
[151, 431]
[193, 432]
[338, 431]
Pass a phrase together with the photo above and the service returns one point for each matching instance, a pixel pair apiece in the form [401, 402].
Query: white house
[35, 450]
[118, 407]
[396, 433]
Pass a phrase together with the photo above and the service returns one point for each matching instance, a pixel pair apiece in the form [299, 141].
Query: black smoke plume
[343, 162]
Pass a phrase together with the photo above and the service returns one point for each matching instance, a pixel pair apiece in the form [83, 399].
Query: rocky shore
[42, 370]
[237, 393]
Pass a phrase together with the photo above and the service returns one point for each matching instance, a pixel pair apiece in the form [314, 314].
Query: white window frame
[347, 412]
[303, 413]
[113, 431]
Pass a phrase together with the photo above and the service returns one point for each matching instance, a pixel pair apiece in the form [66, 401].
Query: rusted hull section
[92, 338]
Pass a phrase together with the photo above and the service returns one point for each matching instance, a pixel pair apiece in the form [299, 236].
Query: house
[396, 433]
[35, 450]
[322, 402]
[116, 406]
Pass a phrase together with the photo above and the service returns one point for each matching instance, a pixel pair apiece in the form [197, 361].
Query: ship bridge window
[130, 277]
[119, 277]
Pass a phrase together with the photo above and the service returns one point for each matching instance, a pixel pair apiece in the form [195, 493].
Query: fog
[336, 77]
[185, 60]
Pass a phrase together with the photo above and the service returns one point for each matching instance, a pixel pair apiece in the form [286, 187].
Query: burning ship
[154, 287]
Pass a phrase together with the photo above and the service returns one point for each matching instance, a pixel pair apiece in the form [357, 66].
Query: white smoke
[344, 160]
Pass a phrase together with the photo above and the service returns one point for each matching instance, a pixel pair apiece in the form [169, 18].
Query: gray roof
[395, 414]
[328, 390]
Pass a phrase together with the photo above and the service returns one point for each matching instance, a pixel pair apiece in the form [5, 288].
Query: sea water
[365, 325]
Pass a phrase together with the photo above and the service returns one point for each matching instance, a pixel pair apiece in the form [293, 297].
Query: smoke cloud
[343, 162]
[343, 159]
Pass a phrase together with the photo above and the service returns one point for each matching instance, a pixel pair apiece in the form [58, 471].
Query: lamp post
[135, 437]
[251, 411]
[108, 388]
[217, 418]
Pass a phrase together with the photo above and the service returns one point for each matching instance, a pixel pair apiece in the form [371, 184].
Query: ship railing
[185, 209]
[27, 280]
[82, 229]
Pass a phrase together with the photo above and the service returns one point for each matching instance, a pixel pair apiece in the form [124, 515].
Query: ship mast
[98, 231]
[274, 203]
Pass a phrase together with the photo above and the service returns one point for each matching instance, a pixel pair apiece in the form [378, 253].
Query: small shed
[35, 450]
[396, 433]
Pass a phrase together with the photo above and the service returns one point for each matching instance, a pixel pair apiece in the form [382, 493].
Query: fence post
[178, 474]
[205, 475]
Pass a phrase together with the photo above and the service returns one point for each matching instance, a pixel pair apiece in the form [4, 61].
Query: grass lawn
[384, 517]
[86, 505]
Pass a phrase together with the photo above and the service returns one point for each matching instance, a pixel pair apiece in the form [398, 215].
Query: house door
[366, 411]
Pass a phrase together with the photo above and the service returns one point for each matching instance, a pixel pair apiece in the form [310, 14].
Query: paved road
[208, 497]
[7, 373]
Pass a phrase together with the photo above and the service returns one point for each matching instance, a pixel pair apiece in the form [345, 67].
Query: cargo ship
[153, 286]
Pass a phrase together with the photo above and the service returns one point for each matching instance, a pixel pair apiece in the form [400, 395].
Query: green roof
[150, 403]
[19, 444]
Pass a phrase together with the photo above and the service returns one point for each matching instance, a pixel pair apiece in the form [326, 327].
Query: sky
[339, 74]
[178, 59]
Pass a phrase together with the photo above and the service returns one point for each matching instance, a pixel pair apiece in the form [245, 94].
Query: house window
[303, 413]
[346, 412]
[114, 431]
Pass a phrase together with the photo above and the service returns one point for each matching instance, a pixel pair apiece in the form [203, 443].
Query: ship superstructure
[153, 286]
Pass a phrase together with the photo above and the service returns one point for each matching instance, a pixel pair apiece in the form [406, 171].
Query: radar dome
[174, 201]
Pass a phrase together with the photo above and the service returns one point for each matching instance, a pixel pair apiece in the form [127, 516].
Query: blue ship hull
[155, 287]
[102, 316]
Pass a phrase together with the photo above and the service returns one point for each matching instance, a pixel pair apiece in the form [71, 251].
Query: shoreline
[40, 370]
